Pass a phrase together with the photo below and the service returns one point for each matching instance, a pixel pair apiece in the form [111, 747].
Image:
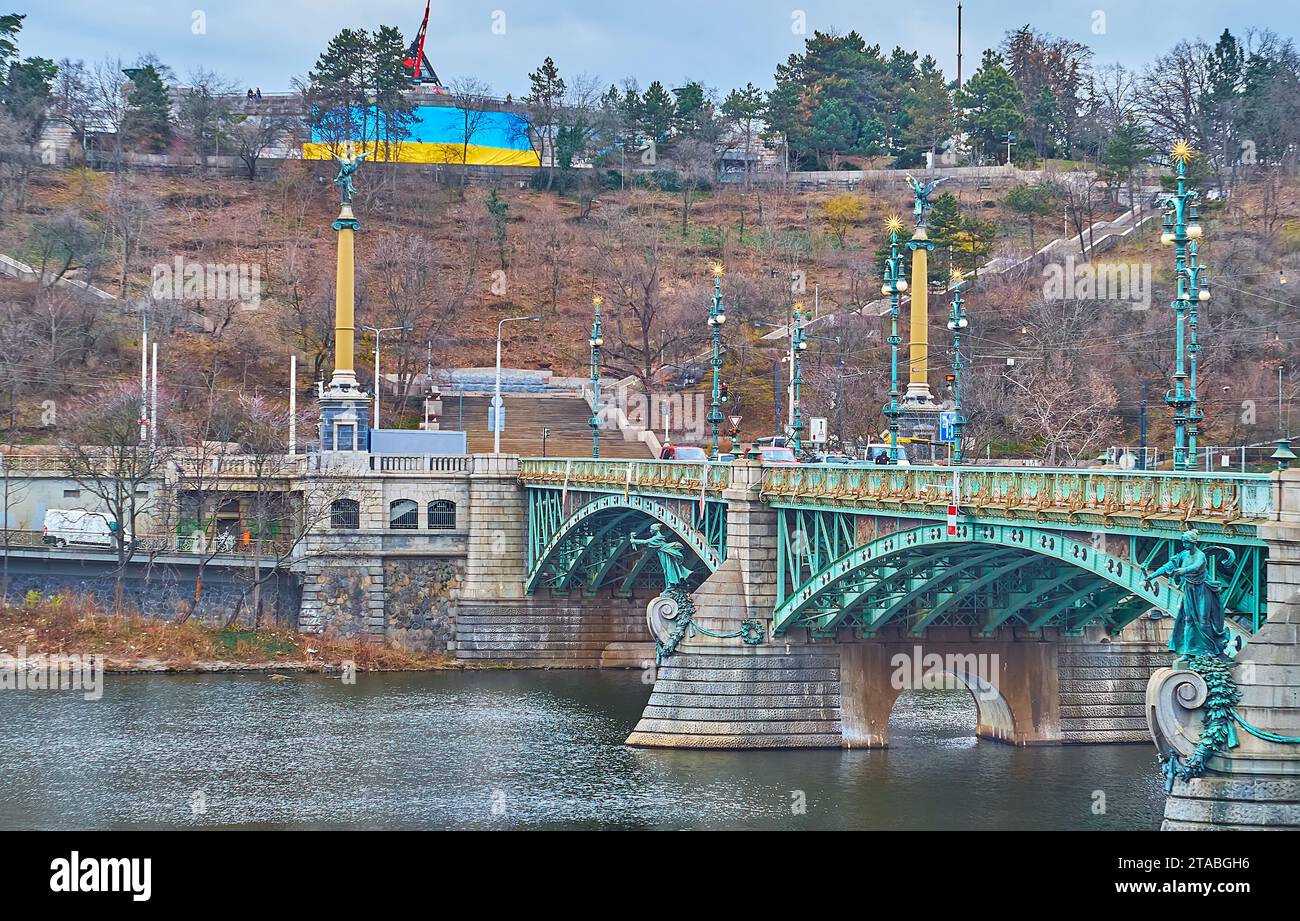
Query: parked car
[824, 457]
[879, 454]
[79, 527]
[683, 453]
[776, 456]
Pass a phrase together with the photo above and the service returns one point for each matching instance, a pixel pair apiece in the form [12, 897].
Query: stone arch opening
[1002, 679]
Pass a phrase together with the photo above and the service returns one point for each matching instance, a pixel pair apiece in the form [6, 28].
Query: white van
[78, 527]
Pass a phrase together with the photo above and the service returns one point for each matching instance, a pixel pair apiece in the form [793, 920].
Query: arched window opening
[442, 515]
[345, 514]
[403, 515]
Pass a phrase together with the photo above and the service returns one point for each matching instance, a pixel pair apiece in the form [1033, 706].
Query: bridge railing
[633, 476]
[184, 544]
[1031, 492]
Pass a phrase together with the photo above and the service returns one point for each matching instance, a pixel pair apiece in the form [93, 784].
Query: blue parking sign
[947, 426]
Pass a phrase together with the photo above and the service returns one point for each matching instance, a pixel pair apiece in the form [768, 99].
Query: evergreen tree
[1129, 147]
[743, 109]
[148, 121]
[545, 97]
[27, 95]
[992, 104]
[657, 111]
[834, 132]
[929, 115]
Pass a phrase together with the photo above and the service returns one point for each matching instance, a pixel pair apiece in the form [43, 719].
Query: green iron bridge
[862, 548]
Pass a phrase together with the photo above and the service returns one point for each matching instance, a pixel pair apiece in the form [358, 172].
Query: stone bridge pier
[1038, 687]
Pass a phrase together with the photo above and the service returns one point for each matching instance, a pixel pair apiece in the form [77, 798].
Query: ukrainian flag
[438, 135]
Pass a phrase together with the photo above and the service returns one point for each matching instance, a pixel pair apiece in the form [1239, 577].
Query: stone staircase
[566, 417]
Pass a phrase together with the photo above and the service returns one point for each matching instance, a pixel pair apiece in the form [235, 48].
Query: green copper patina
[348, 164]
[672, 557]
[1198, 627]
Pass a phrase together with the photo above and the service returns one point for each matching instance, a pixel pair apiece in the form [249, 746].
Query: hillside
[431, 257]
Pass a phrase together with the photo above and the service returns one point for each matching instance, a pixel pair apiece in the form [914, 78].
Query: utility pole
[497, 403]
[1143, 424]
[293, 405]
[378, 331]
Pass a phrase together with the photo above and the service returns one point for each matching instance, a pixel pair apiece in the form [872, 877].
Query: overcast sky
[724, 43]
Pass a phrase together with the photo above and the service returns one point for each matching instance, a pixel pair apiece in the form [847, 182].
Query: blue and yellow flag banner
[438, 134]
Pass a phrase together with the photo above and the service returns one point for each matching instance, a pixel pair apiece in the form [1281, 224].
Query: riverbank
[132, 643]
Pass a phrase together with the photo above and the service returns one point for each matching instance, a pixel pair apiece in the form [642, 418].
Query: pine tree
[657, 111]
[992, 103]
[148, 123]
[834, 132]
[544, 99]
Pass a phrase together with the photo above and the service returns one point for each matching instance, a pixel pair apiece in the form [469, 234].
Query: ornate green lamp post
[895, 284]
[717, 317]
[1197, 292]
[957, 322]
[595, 342]
[1181, 227]
[798, 345]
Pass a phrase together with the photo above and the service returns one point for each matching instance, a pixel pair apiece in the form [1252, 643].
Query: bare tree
[253, 135]
[694, 161]
[101, 450]
[204, 112]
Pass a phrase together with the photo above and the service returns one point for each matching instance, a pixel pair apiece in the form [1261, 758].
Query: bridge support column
[721, 693]
[1014, 685]
[1257, 784]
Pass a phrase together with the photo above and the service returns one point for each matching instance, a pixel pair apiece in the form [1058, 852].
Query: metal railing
[662, 477]
[151, 544]
[1029, 493]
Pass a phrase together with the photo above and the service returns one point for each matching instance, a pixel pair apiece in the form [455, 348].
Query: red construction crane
[416, 61]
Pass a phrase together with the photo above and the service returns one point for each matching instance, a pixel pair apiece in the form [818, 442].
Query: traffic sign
[817, 430]
[952, 521]
[496, 419]
[735, 422]
[947, 426]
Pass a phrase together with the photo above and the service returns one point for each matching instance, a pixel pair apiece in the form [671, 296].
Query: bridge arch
[592, 548]
[985, 576]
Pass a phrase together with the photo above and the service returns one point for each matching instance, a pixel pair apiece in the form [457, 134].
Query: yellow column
[918, 381]
[344, 299]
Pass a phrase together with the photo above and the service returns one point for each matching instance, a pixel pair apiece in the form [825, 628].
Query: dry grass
[133, 642]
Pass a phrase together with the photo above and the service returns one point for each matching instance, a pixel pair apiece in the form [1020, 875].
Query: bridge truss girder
[984, 576]
[590, 547]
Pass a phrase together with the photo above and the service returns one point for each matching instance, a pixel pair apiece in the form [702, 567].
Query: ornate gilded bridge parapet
[1089, 498]
[663, 478]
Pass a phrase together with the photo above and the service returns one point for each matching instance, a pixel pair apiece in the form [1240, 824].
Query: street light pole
[497, 403]
[957, 322]
[595, 342]
[717, 317]
[1181, 226]
[379, 331]
[895, 284]
[798, 343]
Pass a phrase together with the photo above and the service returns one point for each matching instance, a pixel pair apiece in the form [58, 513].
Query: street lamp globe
[902, 284]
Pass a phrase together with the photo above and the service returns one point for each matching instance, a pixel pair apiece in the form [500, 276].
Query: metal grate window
[403, 515]
[345, 514]
[442, 515]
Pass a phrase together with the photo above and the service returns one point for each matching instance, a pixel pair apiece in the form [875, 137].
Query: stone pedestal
[1257, 784]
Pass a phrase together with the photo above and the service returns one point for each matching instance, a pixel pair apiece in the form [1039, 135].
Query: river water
[517, 749]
